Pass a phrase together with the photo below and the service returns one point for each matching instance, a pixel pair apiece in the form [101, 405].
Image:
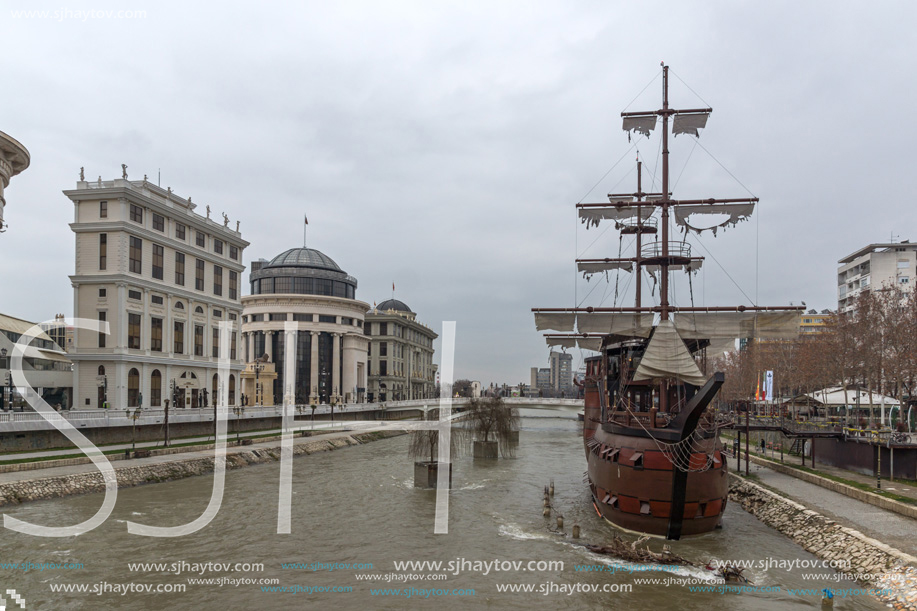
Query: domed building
[303, 292]
[400, 354]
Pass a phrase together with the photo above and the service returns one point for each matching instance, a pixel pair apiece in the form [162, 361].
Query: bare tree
[426, 442]
[493, 420]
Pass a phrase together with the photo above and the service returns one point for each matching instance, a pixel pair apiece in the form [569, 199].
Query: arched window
[155, 389]
[101, 370]
[133, 388]
[179, 305]
[232, 389]
[198, 310]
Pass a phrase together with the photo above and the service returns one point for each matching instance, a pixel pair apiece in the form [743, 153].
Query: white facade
[163, 277]
[14, 158]
[401, 354]
[876, 265]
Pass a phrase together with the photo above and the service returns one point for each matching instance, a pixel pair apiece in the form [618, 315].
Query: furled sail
[595, 267]
[554, 321]
[616, 323]
[642, 125]
[736, 212]
[761, 325]
[691, 266]
[592, 216]
[561, 342]
[689, 123]
[667, 356]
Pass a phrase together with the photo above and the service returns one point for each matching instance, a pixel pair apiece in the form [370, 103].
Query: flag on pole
[306, 219]
[393, 286]
[758, 388]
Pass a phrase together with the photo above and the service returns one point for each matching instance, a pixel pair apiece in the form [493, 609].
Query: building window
[233, 252]
[232, 352]
[199, 274]
[232, 388]
[136, 255]
[179, 305]
[134, 295]
[383, 328]
[902, 264]
[217, 280]
[216, 343]
[257, 317]
[232, 316]
[103, 210]
[103, 251]
[217, 313]
[179, 231]
[383, 368]
[158, 252]
[233, 285]
[155, 388]
[200, 239]
[103, 292]
[278, 317]
[218, 247]
[324, 318]
[159, 222]
[102, 334]
[133, 331]
[904, 280]
[133, 388]
[198, 310]
[383, 348]
[198, 340]
[303, 317]
[136, 214]
[178, 337]
[156, 300]
[180, 269]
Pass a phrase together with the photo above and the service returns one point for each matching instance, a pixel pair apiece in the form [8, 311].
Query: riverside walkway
[881, 524]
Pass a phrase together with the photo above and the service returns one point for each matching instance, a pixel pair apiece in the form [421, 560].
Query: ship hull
[635, 485]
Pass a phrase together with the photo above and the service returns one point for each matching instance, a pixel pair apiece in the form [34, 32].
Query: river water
[358, 505]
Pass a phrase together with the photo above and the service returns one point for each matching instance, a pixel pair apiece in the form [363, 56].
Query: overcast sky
[443, 146]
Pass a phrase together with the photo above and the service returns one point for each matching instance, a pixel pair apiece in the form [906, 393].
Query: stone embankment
[870, 561]
[83, 483]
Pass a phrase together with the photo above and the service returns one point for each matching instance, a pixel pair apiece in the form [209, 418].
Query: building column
[336, 365]
[269, 345]
[249, 346]
[313, 392]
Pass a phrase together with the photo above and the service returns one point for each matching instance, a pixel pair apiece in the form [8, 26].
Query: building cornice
[174, 291]
[179, 209]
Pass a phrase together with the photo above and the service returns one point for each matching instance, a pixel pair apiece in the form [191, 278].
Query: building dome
[393, 304]
[302, 271]
[304, 257]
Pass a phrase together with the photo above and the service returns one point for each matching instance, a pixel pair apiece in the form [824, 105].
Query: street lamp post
[2, 389]
[239, 412]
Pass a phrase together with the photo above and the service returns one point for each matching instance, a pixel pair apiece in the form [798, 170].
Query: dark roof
[304, 257]
[393, 304]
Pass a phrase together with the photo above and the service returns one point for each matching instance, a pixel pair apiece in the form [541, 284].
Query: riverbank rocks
[890, 571]
[14, 493]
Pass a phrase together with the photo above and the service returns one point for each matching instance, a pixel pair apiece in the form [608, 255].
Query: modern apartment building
[875, 266]
[562, 373]
[163, 277]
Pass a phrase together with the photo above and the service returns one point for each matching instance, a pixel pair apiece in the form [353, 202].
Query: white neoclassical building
[401, 354]
[304, 292]
[163, 277]
[14, 158]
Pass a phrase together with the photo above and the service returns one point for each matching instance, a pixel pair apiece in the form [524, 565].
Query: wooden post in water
[746, 441]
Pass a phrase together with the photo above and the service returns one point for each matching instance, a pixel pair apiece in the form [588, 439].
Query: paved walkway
[152, 460]
[886, 526]
[231, 435]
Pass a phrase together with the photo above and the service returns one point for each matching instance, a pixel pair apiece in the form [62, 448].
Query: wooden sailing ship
[655, 461]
